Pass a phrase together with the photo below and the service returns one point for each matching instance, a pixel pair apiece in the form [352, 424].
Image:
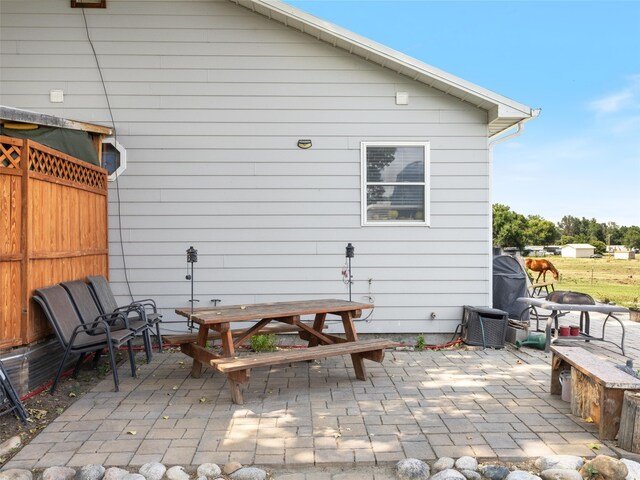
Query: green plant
[264, 343]
[590, 470]
[420, 342]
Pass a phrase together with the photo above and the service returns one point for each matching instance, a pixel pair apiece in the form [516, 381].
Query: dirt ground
[43, 408]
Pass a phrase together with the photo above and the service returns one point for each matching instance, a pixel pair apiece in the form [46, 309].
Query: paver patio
[491, 404]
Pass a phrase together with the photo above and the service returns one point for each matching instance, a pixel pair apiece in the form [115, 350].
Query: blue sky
[579, 61]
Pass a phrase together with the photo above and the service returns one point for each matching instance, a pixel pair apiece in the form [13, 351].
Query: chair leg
[114, 369]
[55, 381]
[159, 337]
[148, 347]
[76, 369]
[132, 359]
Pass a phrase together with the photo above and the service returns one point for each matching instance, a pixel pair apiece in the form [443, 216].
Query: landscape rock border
[552, 467]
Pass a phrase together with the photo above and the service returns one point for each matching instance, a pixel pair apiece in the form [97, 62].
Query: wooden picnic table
[322, 345]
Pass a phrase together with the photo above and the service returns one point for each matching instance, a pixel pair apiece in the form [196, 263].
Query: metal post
[192, 257]
[350, 252]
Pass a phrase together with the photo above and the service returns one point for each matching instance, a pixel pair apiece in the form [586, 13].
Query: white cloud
[627, 98]
[612, 103]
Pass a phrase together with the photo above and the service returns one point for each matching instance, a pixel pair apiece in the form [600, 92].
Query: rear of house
[268, 139]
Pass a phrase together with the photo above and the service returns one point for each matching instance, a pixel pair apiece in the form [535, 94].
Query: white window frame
[427, 184]
[123, 157]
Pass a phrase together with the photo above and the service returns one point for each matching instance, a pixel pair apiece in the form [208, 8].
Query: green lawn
[605, 279]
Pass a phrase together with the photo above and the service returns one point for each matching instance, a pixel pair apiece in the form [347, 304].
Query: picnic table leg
[203, 334]
[318, 326]
[352, 336]
[228, 350]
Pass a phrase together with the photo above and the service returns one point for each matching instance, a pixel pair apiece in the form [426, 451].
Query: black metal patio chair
[107, 303]
[77, 337]
[88, 310]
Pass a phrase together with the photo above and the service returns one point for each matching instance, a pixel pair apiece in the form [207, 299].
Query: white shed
[269, 139]
[578, 250]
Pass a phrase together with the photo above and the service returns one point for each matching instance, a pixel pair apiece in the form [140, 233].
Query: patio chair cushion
[567, 297]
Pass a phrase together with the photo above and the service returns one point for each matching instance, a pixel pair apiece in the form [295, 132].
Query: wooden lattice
[9, 156]
[48, 162]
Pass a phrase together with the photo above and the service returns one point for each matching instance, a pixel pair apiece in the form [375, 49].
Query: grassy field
[605, 279]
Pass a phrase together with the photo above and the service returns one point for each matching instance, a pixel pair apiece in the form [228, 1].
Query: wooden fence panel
[53, 221]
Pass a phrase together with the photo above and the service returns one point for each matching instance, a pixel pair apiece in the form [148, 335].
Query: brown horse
[541, 266]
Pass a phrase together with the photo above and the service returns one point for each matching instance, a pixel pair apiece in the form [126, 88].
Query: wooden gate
[53, 228]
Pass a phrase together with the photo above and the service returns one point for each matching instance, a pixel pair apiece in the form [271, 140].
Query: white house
[268, 139]
[578, 250]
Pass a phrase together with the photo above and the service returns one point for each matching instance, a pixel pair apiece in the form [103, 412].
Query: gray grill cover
[509, 283]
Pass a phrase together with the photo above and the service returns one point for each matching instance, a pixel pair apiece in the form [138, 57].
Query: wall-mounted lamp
[304, 144]
[94, 4]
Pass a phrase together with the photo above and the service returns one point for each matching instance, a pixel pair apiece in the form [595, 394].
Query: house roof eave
[504, 113]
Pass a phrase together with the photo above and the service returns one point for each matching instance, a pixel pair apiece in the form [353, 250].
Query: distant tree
[612, 234]
[540, 231]
[632, 237]
[566, 239]
[508, 227]
[600, 246]
[570, 226]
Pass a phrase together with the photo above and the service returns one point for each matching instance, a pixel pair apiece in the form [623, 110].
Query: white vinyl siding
[209, 99]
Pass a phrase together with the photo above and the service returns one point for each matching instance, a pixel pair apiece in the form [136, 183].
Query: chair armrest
[147, 302]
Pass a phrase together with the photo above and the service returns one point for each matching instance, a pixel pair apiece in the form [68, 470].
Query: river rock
[608, 467]
[560, 474]
[134, 476]
[115, 473]
[10, 444]
[471, 474]
[91, 472]
[494, 472]
[209, 470]
[633, 467]
[231, 467]
[442, 464]
[248, 473]
[16, 474]
[568, 462]
[467, 463]
[177, 473]
[522, 475]
[448, 474]
[412, 469]
[152, 471]
[58, 473]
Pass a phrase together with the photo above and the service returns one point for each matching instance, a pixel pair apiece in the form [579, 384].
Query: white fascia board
[389, 58]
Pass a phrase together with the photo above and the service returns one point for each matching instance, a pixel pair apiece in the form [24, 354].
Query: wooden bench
[238, 369]
[597, 387]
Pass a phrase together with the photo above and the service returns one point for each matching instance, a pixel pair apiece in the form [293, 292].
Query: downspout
[519, 129]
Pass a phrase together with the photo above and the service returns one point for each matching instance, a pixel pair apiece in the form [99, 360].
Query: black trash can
[484, 327]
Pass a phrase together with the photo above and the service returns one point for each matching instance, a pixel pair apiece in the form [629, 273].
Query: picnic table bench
[287, 314]
[597, 387]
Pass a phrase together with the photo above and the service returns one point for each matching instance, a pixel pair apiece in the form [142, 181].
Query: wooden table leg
[611, 400]
[556, 365]
[318, 326]
[228, 350]
[203, 334]
[352, 336]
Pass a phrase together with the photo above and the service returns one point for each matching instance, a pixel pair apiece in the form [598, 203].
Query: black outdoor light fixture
[192, 257]
[350, 253]
[305, 144]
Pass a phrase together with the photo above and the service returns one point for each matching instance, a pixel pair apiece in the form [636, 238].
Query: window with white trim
[395, 183]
